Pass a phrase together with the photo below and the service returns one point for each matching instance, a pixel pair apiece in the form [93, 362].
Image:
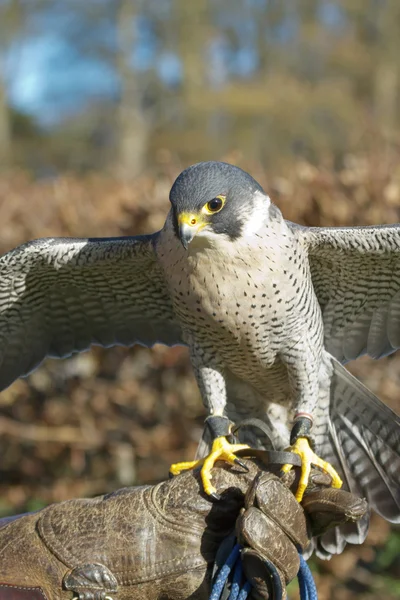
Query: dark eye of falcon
[214, 205]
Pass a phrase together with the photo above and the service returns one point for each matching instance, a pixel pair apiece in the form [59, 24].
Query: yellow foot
[221, 450]
[308, 458]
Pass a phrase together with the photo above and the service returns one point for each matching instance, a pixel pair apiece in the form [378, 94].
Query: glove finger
[266, 580]
[261, 533]
[329, 507]
[275, 500]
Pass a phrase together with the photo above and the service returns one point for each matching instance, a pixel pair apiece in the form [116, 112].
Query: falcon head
[214, 198]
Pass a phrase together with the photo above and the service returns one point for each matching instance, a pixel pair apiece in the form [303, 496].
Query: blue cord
[240, 588]
[236, 581]
[308, 590]
[223, 575]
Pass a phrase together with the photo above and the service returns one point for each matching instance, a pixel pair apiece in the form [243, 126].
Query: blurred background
[102, 104]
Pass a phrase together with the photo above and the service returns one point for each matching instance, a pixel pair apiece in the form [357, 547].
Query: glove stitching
[24, 588]
[67, 558]
[155, 510]
[148, 580]
[46, 532]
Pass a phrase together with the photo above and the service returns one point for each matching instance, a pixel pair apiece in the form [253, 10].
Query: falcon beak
[189, 225]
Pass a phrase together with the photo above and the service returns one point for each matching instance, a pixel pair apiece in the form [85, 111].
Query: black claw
[215, 496]
[239, 462]
[170, 475]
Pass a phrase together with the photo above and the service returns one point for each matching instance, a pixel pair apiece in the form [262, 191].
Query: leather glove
[156, 541]
[273, 527]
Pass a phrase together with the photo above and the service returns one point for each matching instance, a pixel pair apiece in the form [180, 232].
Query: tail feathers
[361, 440]
[366, 435]
[334, 541]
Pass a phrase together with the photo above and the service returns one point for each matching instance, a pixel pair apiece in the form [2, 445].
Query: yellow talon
[308, 458]
[177, 468]
[221, 450]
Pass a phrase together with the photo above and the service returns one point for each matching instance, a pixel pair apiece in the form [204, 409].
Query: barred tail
[362, 441]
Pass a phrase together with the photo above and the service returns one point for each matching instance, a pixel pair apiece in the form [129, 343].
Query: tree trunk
[5, 129]
[132, 127]
[386, 97]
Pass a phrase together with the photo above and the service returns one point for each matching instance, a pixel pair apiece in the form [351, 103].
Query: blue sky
[50, 81]
[48, 77]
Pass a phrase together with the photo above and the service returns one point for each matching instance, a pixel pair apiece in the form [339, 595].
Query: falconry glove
[161, 541]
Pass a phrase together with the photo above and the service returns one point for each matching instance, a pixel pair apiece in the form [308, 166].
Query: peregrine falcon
[269, 310]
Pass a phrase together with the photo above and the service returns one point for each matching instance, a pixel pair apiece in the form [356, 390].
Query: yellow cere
[189, 219]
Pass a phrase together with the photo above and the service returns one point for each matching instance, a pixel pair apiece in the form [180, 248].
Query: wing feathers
[393, 322]
[378, 344]
[60, 296]
[356, 277]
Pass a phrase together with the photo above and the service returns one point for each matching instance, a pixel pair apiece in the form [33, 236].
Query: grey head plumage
[203, 182]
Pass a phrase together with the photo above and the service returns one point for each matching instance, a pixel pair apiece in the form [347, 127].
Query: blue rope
[308, 590]
[236, 581]
[223, 575]
[240, 588]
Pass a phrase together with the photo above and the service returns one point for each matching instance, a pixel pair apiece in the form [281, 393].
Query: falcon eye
[214, 205]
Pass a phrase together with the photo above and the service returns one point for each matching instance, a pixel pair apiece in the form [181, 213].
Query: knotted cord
[231, 579]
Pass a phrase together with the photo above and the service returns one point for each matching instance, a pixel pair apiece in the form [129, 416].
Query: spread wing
[356, 276]
[60, 296]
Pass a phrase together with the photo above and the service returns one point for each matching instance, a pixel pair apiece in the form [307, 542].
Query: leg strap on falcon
[221, 426]
[269, 456]
[302, 428]
[266, 430]
[229, 581]
[218, 426]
